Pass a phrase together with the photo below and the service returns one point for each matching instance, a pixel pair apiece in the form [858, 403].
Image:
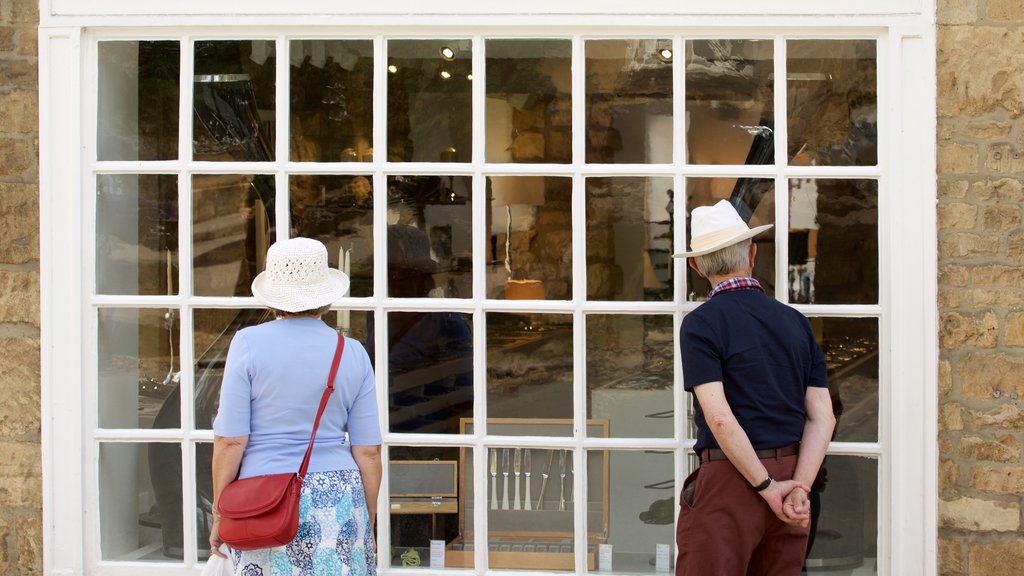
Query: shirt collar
[741, 283]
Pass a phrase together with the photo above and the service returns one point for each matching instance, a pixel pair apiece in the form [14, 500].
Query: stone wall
[981, 286]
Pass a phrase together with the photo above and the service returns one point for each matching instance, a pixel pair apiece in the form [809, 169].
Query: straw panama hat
[715, 227]
[298, 277]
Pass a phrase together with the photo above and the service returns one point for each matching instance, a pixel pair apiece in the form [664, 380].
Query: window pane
[754, 199]
[424, 485]
[338, 211]
[833, 241]
[629, 101]
[641, 510]
[430, 371]
[232, 227]
[629, 239]
[204, 497]
[430, 108]
[530, 252]
[139, 368]
[630, 374]
[233, 100]
[833, 102]
[730, 93]
[140, 502]
[851, 352]
[430, 236]
[844, 517]
[332, 100]
[137, 117]
[137, 234]
[529, 101]
[529, 370]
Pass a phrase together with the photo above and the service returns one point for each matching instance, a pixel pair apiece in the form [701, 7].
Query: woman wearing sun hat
[274, 376]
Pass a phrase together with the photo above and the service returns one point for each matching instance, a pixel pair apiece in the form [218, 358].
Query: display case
[531, 499]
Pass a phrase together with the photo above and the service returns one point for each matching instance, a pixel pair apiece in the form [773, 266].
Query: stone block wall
[980, 63]
[21, 538]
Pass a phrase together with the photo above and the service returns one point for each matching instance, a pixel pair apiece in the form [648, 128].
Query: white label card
[604, 557]
[661, 554]
[437, 553]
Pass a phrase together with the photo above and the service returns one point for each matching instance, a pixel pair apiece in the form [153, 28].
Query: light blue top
[274, 376]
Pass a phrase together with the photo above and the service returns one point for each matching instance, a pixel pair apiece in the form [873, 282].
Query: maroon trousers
[729, 530]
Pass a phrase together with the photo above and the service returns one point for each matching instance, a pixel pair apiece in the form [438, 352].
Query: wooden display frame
[442, 501]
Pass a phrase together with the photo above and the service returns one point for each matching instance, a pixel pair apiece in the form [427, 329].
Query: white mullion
[578, 214]
[781, 181]
[282, 119]
[680, 287]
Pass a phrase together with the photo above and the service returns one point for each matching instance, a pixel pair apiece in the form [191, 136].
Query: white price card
[437, 553]
[604, 557]
[661, 557]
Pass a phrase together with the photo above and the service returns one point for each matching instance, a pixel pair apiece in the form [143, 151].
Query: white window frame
[906, 449]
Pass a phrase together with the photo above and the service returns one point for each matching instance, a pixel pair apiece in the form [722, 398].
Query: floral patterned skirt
[335, 537]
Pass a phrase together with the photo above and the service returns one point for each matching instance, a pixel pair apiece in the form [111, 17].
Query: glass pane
[629, 239]
[754, 199]
[630, 374]
[430, 236]
[851, 352]
[233, 100]
[140, 502]
[833, 230]
[730, 94]
[529, 101]
[641, 508]
[844, 518]
[204, 497]
[139, 368]
[137, 234]
[833, 102]
[430, 371]
[529, 369]
[331, 101]
[232, 227]
[137, 117]
[424, 485]
[530, 251]
[338, 211]
[430, 108]
[629, 101]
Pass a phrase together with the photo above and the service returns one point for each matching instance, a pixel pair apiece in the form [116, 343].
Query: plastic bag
[217, 566]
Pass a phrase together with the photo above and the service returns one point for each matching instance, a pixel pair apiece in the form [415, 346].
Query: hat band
[717, 237]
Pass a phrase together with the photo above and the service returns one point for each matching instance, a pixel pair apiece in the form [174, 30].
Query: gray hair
[724, 261]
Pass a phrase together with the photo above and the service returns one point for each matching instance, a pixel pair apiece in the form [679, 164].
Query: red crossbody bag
[263, 511]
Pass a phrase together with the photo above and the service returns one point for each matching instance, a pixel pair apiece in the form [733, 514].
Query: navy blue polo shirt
[764, 353]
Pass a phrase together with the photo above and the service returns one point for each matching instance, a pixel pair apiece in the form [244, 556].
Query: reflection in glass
[844, 517]
[233, 99]
[232, 227]
[641, 507]
[833, 241]
[629, 238]
[832, 102]
[754, 199]
[338, 211]
[331, 100]
[138, 521]
[204, 497]
[137, 234]
[430, 371]
[851, 353]
[630, 373]
[629, 101]
[424, 486]
[430, 236]
[730, 94]
[530, 252]
[430, 109]
[529, 367]
[139, 368]
[137, 116]
[529, 101]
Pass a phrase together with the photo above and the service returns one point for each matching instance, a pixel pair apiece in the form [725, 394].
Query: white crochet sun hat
[715, 227]
[298, 278]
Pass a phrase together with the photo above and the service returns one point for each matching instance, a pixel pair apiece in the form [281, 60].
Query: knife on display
[494, 479]
[561, 480]
[517, 462]
[504, 483]
[544, 479]
[527, 466]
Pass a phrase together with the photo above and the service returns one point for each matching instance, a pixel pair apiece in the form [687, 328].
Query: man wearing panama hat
[762, 409]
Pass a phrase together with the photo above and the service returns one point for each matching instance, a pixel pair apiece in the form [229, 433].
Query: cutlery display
[494, 478]
[572, 479]
[544, 479]
[516, 465]
[561, 480]
[527, 466]
[504, 473]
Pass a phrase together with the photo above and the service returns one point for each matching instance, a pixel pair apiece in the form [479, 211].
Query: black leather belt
[711, 454]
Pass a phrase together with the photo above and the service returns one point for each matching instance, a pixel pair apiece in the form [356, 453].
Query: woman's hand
[215, 540]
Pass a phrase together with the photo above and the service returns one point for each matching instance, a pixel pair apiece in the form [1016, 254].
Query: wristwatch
[767, 482]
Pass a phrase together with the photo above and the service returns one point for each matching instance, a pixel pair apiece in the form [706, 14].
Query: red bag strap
[323, 403]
